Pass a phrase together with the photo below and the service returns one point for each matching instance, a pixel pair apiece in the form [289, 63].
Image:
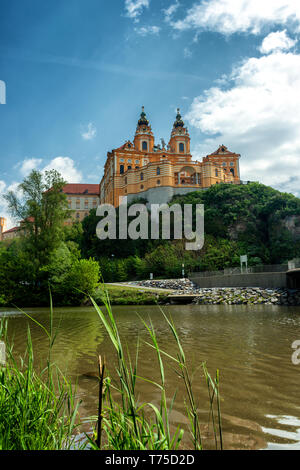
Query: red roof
[91, 189]
[14, 229]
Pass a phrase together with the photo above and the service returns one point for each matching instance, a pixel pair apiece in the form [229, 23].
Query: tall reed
[37, 409]
[130, 425]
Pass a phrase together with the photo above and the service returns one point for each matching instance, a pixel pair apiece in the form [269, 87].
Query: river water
[250, 345]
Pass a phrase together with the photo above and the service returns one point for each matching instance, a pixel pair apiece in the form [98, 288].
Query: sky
[76, 74]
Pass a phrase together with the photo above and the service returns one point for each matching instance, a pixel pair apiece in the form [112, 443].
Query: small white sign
[244, 259]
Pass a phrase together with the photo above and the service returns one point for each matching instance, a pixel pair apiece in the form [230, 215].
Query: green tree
[42, 209]
[81, 280]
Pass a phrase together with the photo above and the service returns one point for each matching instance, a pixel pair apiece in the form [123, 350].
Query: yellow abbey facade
[141, 169]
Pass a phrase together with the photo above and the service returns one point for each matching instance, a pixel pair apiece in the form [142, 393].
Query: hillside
[248, 219]
[262, 221]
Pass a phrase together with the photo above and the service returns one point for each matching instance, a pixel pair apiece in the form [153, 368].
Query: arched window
[181, 147]
[121, 169]
[232, 171]
[144, 145]
[158, 171]
[129, 167]
[216, 171]
[142, 176]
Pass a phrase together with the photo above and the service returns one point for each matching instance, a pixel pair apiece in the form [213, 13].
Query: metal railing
[271, 268]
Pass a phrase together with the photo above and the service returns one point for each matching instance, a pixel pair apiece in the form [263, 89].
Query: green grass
[128, 424]
[37, 408]
[129, 296]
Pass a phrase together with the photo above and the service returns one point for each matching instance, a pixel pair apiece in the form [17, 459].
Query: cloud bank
[232, 16]
[255, 112]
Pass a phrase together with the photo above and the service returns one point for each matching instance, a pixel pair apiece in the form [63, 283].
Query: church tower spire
[144, 138]
[180, 139]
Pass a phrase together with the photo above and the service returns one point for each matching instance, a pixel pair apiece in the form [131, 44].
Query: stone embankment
[226, 295]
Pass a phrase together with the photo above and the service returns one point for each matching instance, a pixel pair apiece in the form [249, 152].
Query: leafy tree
[42, 209]
[254, 216]
[81, 279]
[47, 254]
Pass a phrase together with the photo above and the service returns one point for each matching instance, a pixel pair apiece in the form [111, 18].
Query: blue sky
[77, 73]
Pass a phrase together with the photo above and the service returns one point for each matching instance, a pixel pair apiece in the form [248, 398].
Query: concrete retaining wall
[161, 194]
[265, 280]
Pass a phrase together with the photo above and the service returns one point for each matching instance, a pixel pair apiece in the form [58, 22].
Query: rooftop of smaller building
[11, 230]
[82, 189]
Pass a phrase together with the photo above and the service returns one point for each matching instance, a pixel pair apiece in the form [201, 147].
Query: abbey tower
[142, 169]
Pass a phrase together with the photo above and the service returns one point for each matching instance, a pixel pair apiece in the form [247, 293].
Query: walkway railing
[272, 268]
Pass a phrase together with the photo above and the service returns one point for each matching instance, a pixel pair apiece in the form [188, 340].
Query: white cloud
[231, 16]
[2, 186]
[145, 30]
[3, 205]
[169, 12]
[28, 165]
[134, 8]
[187, 53]
[257, 115]
[89, 131]
[277, 41]
[66, 167]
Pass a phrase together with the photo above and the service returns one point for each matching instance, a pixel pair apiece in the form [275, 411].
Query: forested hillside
[248, 219]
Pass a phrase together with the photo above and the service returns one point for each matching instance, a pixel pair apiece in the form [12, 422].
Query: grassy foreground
[38, 410]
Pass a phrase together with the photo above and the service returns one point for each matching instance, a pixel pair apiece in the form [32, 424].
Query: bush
[81, 280]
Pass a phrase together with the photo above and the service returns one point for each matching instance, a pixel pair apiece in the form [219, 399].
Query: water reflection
[250, 345]
[287, 429]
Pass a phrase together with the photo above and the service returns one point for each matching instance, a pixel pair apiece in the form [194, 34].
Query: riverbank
[130, 295]
[224, 295]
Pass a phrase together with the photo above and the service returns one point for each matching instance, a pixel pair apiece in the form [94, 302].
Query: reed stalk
[128, 425]
[37, 408]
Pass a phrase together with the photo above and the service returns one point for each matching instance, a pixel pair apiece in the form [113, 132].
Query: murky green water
[250, 345]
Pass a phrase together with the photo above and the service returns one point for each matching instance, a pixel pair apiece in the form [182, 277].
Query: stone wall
[161, 194]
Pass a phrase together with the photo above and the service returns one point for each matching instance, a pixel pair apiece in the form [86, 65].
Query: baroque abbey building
[141, 169]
